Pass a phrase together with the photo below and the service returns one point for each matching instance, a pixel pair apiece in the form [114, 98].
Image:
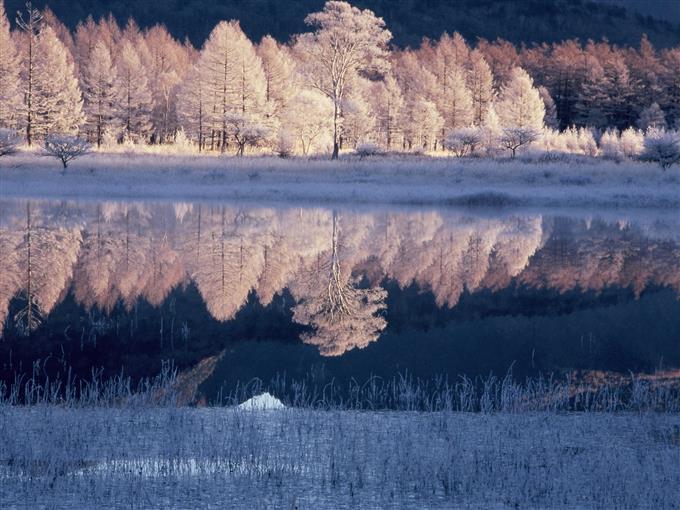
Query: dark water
[338, 294]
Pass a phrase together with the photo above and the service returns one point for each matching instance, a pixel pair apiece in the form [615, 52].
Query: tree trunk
[336, 147]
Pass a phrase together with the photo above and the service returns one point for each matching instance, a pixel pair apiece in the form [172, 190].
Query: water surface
[333, 294]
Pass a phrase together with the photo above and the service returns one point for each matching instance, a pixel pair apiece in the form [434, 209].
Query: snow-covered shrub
[652, 117]
[109, 139]
[514, 138]
[285, 144]
[632, 142]
[463, 141]
[9, 142]
[661, 147]
[66, 148]
[367, 149]
[183, 143]
[580, 141]
[246, 130]
[610, 145]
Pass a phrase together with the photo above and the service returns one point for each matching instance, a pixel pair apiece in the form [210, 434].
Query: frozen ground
[60, 458]
[396, 180]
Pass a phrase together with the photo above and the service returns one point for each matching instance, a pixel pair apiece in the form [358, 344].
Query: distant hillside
[520, 21]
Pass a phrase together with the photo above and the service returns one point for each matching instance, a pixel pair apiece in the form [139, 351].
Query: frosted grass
[107, 446]
[568, 182]
[52, 457]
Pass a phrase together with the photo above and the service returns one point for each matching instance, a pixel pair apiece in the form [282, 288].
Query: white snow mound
[263, 402]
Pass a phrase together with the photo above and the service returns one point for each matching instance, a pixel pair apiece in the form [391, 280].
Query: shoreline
[396, 180]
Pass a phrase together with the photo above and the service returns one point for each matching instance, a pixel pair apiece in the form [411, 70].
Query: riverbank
[405, 180]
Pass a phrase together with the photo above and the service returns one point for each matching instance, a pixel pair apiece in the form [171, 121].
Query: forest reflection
[332, 262]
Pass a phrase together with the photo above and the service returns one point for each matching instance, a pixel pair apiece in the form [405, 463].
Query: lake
[334, 294]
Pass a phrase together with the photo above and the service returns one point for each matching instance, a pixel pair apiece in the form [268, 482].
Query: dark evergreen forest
[521, 21]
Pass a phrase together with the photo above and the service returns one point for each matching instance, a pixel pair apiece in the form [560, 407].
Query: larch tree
[387, 103]
[519, 102]
[30, 23]
[455, 101]
[480, 83]
[358, 120]
[132, 91]
[279, 72]
[347, 41]
[10, 98]
[447, 61]
[235, 81]
[167, 62]
[193, 106]
[99, 91]
[423, 124]
[56, 94]
[550, 118]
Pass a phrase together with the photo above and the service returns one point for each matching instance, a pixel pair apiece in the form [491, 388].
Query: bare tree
[66, 148]
[512, 138]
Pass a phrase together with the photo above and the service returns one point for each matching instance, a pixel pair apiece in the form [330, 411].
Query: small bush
[464, 141]
[368, 149]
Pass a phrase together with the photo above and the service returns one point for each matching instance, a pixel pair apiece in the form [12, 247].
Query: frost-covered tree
[166, 62]
[30, 23]
[357, 117]
[57, 100]
[134, 101]
[519, 103]
[10, 98]
[307, 119]
[652, 117]
[387, 103]
[661, 147]
[99, 94]
[233, 77]
[480, 83]
[513, 138]
[455, 100]
[464, 141]
[192, 106]
[66, 148]
[246, 129]
[346, 41]
[279, 72]
[423, 124]
[550, 118]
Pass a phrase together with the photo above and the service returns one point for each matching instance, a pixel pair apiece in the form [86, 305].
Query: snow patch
[263, 402]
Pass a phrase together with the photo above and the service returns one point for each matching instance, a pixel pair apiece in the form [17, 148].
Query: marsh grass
[402, 443]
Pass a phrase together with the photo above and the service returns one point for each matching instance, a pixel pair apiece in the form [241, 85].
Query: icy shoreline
[388, 180]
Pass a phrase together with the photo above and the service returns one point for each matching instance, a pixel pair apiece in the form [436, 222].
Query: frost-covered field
[54, 457]
[401, 180]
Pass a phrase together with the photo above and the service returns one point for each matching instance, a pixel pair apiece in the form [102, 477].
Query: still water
[334, 294]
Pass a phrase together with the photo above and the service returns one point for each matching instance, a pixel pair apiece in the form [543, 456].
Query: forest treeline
[342, 84]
